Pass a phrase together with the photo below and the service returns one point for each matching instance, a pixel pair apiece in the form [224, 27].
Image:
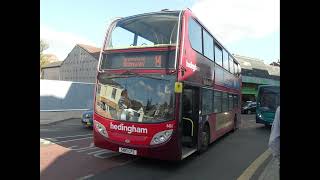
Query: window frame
[212, 100]
[203, 43]
[113, 93]
[231, 64]
[215, 101]
[225, 52]
[220, 48]
[201, 31]
[230, 105]
[226, 109]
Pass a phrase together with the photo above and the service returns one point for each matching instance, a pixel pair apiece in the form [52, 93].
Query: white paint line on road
[86, 177]
[69, 136]
[248, 173]
[72, 140]
[88, 149]
[101, 150]
[106, 154]
[44, 141]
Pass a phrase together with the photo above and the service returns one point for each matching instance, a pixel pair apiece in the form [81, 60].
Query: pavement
[44, 122]
[271, 171]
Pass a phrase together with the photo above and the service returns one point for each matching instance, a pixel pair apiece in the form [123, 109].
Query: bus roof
[176, 12]
[152, 13]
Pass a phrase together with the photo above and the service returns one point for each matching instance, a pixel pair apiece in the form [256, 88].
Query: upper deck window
[195, 35]
[207, 45]
[154, 29]
[225, 60]
[231, 64]
[218, 55]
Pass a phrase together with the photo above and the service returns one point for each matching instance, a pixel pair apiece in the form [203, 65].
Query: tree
[43, 59]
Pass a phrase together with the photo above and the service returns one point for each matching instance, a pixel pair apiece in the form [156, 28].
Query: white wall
[64, 95]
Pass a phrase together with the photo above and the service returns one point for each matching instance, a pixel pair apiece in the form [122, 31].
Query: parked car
[249, 108]
[87, 118]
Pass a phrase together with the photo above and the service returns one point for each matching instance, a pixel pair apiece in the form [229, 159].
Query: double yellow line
[248, 173]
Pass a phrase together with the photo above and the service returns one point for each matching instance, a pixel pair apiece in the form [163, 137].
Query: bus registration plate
[128, 151]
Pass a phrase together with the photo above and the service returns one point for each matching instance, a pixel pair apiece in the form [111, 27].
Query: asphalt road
[67, 152]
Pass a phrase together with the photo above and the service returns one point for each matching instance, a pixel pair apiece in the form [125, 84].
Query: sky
[245, 27]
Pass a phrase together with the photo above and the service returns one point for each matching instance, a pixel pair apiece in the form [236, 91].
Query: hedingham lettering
[129, 129]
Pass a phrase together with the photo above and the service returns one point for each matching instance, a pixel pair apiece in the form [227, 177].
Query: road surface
[67, 152]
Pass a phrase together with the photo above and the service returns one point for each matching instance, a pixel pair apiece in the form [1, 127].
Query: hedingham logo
[194, 67]
[129, 129]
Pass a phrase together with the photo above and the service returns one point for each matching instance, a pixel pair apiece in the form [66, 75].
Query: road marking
[44, 141]
[69, 136]
[101, 150]
[248, 173]
[86, 177]
[91, 148]
[108, 154]
[72, 140]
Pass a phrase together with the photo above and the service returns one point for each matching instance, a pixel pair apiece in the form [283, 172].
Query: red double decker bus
[166, 87]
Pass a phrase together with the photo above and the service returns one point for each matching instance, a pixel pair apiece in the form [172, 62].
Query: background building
[81, 64]
[51, 71]
[255, 72]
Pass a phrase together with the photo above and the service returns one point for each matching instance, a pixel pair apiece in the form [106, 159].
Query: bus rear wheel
[205, 139]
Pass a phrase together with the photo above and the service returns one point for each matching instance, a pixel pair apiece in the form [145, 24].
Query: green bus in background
[268, 99]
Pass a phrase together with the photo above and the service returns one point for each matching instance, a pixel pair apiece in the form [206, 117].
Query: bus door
[190, 119]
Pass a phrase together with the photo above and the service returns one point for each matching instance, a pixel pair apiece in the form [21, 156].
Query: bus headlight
[100, 128]
[161, 137]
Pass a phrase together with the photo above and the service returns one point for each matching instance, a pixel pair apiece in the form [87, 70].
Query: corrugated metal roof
[53, 64]
[94, 51]
[254, 64]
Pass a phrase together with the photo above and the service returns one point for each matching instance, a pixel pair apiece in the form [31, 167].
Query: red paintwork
[223, 88]
[136, 139]
[171, 150]
[141, 142]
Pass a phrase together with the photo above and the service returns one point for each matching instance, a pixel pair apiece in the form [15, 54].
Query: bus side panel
[220, 124]
[212, 124]
[194, 67]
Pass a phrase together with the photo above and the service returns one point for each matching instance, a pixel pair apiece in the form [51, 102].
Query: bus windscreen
[136, 98]
[157, 29]
[269, 98]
